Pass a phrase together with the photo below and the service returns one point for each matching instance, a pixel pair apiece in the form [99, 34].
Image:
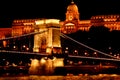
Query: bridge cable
[63, 35]
[84, 57]
[32, 33]
[19, 52]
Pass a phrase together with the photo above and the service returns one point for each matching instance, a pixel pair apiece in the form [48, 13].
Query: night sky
[10, 10]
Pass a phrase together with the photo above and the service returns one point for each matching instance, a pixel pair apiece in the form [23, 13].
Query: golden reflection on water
[67, 77]
[45, 66]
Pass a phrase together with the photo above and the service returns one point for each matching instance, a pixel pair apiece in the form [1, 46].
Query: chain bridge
[46, 44]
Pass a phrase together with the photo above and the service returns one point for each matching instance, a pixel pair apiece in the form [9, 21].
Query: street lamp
[66, 50]
[75, 52]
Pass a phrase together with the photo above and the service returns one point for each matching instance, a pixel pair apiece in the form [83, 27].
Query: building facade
[73, 23]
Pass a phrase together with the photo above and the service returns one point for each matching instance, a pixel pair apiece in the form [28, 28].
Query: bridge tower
[48, 41]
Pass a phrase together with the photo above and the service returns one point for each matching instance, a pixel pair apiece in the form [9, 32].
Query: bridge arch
[49, 41]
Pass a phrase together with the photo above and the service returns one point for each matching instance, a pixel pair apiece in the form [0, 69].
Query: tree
[99, 37]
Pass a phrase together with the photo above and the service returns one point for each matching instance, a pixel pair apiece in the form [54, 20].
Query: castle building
[73, 23]
[110, 21]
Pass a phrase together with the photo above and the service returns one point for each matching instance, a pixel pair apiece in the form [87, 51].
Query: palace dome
[72, 7]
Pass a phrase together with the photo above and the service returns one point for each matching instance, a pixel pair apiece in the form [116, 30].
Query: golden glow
[27, 49]
[14, 47]
[58, 62]
[34, 66]
[54, 58]
[14, 65]
[48, 50]
[4, 43]
[16, 31]
[51, 37]
[24, 46]
[35, 49]
[28, 23]
[69, 24]
[54, 21]
[47, 21]
[72, 7]
[35, 63]
[85, 22]
[45, 65]
[114, 75]
[42, 61]
[110, 19]
[39, 22]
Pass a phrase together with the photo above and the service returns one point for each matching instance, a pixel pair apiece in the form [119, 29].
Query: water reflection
[67, 77]
[47, 66]
[44, 66]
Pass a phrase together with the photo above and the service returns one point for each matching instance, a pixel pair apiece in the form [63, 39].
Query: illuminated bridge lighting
[19, 52]
[109, 59]
[65, 36]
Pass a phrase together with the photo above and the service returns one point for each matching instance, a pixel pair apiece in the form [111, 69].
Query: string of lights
[93, 58]
[63, 35]
[19, 52]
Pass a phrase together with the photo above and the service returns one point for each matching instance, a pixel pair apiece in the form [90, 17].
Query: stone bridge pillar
[48, 41]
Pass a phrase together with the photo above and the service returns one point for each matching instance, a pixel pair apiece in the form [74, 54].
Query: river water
[67, 77]
[38, 68]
